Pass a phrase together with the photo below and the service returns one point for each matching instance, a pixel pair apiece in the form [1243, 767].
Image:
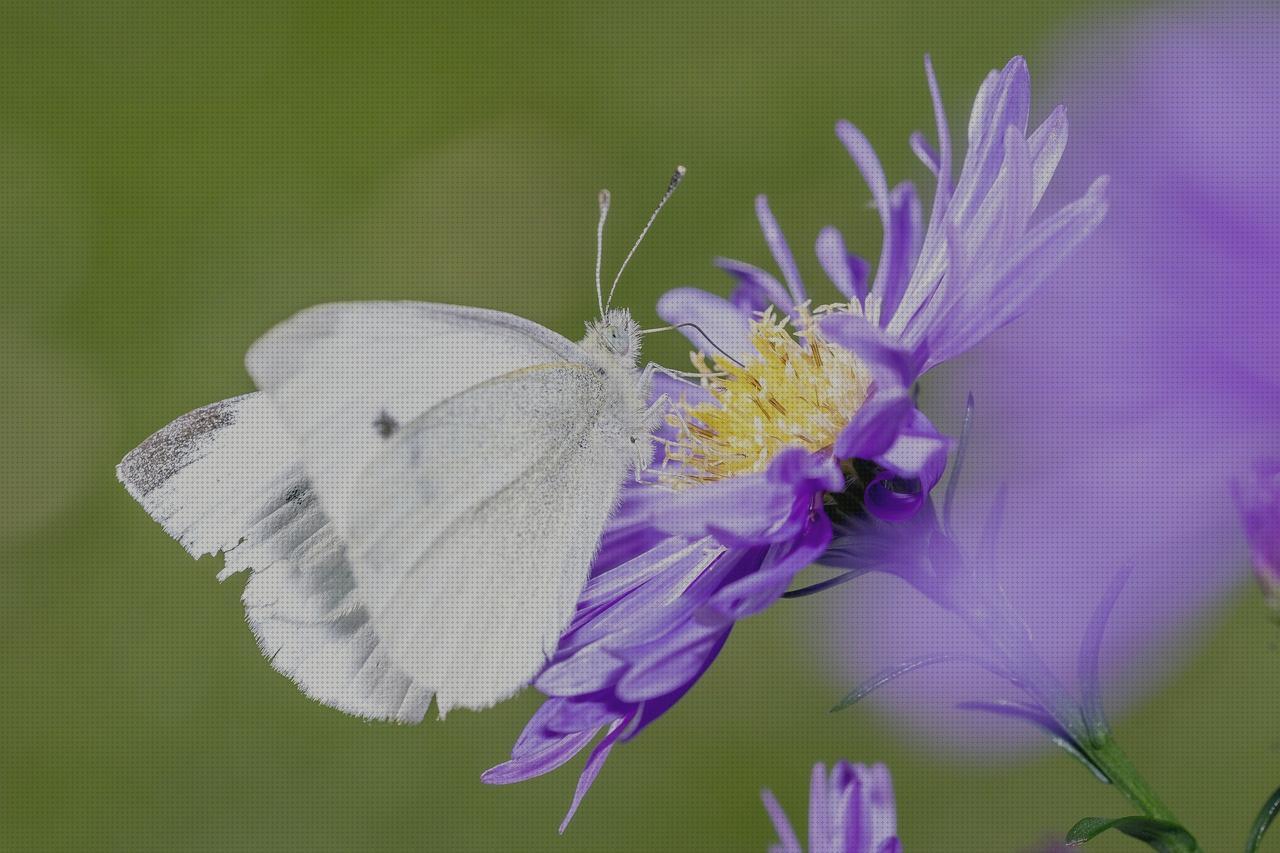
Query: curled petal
[875, 427]
[781, 251]
[847, 271]
[918, 453]
[756, 290]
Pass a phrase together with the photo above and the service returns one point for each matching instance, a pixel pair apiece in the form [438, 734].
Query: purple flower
[800, 414]
[1259, 501]
[851, 810]
[1121, 409]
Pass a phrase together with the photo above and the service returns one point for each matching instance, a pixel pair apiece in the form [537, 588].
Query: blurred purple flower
[792, 424]
[851, 810]
[1120, 410]
[1259, 501]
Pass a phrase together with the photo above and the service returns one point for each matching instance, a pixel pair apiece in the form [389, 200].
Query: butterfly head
[615, 337]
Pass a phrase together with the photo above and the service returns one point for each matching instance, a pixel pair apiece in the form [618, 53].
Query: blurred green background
[177, 179]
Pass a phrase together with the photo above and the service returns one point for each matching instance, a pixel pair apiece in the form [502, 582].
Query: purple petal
[757, 290]
[588, 670]
[668, 667]
[781, 251]
[875, 427]
[787, 840]
[591, 771]
[1039, 254]
[620, 580]
[550, 756]
[1003, 101]
[906, 223]
[864, 157]
[651, 710]
[999, 222]
[820, 814]
[847, 272]
[918, 452]
[661, 605]
[1091, 653]
[1257, 499]
[761, 588]
[672, 603]
[892, 365]
[1047, 145]
[942, 197]
[720, 320]
[890, 498]
[927, 154]
[877, 815]
[752, 508]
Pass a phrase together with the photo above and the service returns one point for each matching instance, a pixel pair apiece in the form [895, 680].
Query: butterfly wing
[472, 533]
[345, 377]
[227, 477]
[206, 476]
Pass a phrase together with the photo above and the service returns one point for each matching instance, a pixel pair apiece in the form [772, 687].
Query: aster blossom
[800, 413]
[1123, 408]
[851, 810]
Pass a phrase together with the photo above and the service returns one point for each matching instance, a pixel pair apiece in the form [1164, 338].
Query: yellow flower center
[796, 390]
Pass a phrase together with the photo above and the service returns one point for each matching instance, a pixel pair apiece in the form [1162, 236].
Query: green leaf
[1160, 835]
[1263, 822]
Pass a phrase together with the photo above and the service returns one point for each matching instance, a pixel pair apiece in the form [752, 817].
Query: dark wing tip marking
[171, 448]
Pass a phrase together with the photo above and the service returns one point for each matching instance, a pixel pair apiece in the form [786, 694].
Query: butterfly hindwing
[228, 478]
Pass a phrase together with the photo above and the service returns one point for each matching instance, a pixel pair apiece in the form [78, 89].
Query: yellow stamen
[798, 390]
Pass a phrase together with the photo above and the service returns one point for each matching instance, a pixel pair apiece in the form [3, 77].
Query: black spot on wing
[385, 425]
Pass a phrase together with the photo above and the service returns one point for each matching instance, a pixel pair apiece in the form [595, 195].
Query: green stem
[1104, 752]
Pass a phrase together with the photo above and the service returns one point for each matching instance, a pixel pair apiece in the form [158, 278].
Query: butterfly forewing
[346, 377]
[473, 533]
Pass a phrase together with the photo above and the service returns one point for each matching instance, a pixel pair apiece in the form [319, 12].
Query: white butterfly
[419, 490]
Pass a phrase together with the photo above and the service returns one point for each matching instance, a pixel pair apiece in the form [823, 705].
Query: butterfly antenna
[604, 214]
[697, 329]
[671, 188]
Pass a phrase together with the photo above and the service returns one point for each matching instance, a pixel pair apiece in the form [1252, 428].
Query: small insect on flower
[418, 489]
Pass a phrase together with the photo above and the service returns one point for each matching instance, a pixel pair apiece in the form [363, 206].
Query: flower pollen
[796, 390]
